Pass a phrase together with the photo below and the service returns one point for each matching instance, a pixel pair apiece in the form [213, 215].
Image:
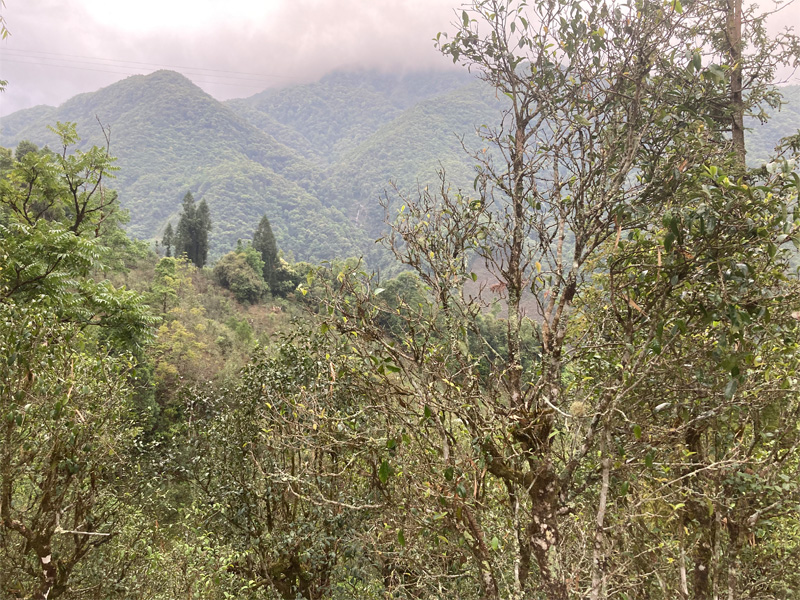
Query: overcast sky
[231, 48]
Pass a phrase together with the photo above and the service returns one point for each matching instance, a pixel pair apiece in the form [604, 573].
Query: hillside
[314, 158]
[169, 137]
[762, 139]
[342, 110]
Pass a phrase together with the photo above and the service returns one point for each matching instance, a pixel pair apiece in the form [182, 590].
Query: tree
[240, 271]
[56, 217]
[608, 162]
[203, 229]
[67, 340]
[264, 242]
[289, 472]
[23, 148]
[168, 240]
[66, 429]
[191, 237]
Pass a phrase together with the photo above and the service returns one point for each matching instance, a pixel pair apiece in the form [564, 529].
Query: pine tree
[264, 242]
[168, 240]
[193, 227]
[202, 227]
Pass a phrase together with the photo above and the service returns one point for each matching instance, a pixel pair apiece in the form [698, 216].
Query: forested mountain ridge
[170, 136]
[342, 110]
[315, 158]
[310, 157]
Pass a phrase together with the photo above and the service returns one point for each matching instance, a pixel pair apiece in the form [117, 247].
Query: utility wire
[135, 71]
[254, 85]
[133, 62]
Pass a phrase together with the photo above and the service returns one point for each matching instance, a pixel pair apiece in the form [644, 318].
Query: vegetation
[264, 243]
[577, 380]
[191, 236]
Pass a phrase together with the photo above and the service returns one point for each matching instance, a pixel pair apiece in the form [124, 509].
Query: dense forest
[567, 369]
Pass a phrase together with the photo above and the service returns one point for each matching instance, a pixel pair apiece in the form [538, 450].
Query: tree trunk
[543, 535]
[734, 38]
[598, 562]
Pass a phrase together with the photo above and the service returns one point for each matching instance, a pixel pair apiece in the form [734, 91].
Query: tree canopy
[191, 235]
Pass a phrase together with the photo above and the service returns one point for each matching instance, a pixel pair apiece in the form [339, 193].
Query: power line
[255, 84]
[153, 65]
[65, 63]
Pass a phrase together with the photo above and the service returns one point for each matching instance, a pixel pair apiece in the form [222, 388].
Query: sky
[230, 48]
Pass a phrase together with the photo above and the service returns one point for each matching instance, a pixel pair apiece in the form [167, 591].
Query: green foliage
[66, 422]
[168, 240]
[23, 148]
[66, 373]
[191, 236]
[286, 279]
[251, 256]
[169, 279]
[269, 477]
[235, 272]
[57, 218]
[264, 242]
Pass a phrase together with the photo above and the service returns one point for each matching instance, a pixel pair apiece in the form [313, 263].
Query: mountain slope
[411, 149]
[340, 111]
[314, 158]
[762, 139]
[170, 137]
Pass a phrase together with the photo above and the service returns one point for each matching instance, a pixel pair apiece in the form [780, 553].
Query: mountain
[342, 110]
[314, 158]
[170, 137]
[785, 121]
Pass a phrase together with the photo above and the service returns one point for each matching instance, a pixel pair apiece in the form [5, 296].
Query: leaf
[495, 544]
[730, 389]
[401, 538]
[637, 432]
[384, 472]
[669, 239]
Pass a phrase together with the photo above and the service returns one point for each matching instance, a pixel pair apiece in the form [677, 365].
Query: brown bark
[734, 38]
[543, 535]
[598, 562]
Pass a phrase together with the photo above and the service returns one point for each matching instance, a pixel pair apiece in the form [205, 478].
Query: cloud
[61, 48]
[235, 48]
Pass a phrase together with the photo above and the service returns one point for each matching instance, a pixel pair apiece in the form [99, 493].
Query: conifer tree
[193, 227]
[168, 240]
[203, 226]
[264, 242]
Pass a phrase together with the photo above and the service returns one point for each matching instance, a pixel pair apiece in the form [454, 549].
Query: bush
[234, 272]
